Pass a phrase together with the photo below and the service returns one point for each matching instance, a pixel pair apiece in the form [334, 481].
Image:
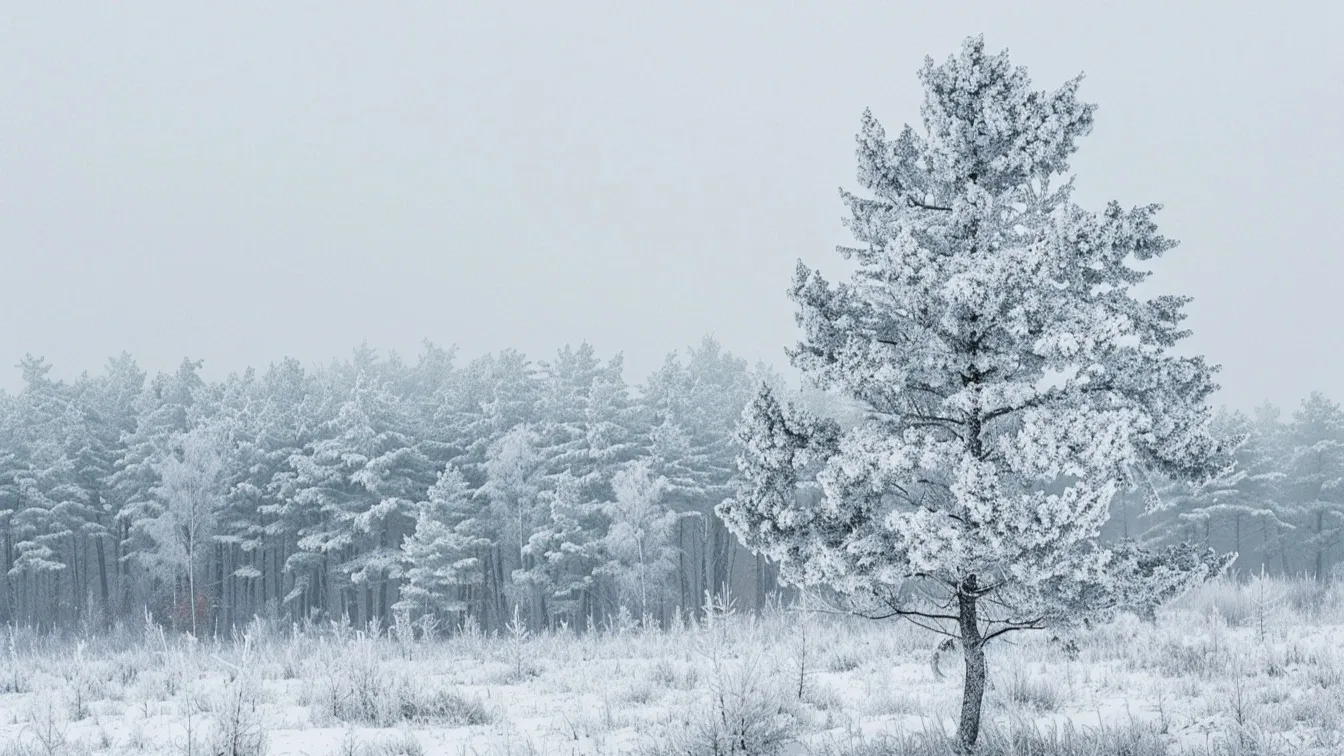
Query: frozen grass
[1232, 670]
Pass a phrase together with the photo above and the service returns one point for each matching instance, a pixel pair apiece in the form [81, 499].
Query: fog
[250, 181]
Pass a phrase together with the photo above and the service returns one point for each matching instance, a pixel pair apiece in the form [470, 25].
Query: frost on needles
[1013, 383]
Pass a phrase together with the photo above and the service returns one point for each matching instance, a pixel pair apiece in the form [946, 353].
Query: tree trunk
[102, 575]
[972, 644]
[643, 594]
[1237, 536]
[322, 596]
[682, 576]
[760, 582]
[706, 564]
[191, 587]
[219, 588]
[11, 613]
[1320, 548]
[382, 603]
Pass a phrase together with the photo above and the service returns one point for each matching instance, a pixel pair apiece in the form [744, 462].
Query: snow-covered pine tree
[443, 554]
[325, 502]
[287, 420]
[426, 389]
[499, 393]
[568, 551]
[695, 405]
[1227, 511]
[586, 428]
[562, 412]
[513, 484]
[107, 404]
[42, 523]
[358, 485]
[1186, 510]
[1264, 458]
[396, 477]
[1012, 381]
[163, 409]
[239, 534]
[11, 495]
[1314, 481]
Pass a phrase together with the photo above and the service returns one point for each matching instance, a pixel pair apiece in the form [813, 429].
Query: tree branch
[1035, 624]
[912, 202]
[907, 614]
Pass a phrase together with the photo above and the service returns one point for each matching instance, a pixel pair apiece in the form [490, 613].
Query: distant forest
[550, 493]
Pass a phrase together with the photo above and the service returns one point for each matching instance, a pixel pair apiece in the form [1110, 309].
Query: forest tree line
[1281, 509]
[551, 493]
[373, 486]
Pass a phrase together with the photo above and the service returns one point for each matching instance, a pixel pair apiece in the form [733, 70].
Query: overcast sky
[244, 181]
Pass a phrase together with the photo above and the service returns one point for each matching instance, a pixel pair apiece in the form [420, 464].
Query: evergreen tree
[1314, 481]
[513, 486]
[1010, 375]
[568, 551]
[107, 415]
[693, 407]
[163, 410]
[443, 554]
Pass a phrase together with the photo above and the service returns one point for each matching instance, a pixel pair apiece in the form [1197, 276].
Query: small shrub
[844, 660]
[744, 716]
[1032, 692]
[442, 707]
[47, 729]
[239, 729]
[1308, 598]
[1225, 598]
[364, 692]
[823, 698]
[640, 692]
[671, 676]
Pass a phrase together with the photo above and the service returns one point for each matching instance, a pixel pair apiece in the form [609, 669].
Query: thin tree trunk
[322, 597]
[502, 608]
[12, 614]
[219, 588]
[1320, 548]
[1237, 537]
[972, 645]
[681, 564]
[760, 582]
[102, 572]
[76, 580]
[643, 593]
[730, 549]
[383, 539]
[191, 586]
[706, 568]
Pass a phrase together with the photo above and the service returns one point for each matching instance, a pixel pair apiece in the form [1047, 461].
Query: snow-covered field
[1232, 669]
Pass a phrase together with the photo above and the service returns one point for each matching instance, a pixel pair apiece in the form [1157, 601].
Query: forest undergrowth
[1250, 667]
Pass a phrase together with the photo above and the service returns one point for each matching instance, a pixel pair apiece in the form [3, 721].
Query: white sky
[247, 181]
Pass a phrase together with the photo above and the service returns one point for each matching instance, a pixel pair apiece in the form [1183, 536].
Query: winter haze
[250, 181]
[495, 450]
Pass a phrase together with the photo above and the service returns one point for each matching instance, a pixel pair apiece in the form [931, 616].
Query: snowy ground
[1232, 670]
